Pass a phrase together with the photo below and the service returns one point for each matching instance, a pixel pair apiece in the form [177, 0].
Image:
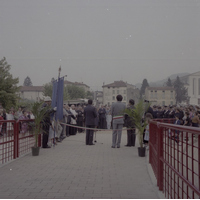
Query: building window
[199, 101]
[163, 103]
[113, 97]
[124, 91]
[171, 95]
[172, 102]
[151, 94]
[193, 86]
[163, 94]
[117, 91]
[113, 91]
[124, 98]
[155, 94]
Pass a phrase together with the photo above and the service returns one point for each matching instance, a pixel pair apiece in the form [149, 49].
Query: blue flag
[57, 97]
[59, 112]
[54, 94]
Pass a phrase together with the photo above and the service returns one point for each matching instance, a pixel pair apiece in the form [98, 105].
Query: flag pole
[56, 122]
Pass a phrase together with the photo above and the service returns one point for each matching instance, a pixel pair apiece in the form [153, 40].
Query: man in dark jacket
[90, 115]
[130, 125]
[46, 123]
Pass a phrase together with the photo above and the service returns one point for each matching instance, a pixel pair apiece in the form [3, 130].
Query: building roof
[76, 83]
[31, 89]
[116, 84]
[160, 88]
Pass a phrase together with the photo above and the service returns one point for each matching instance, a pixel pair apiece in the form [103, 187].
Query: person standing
[130, 125]
[80, 119]
[73, 130]
[117, 110]
[24, 124]
[90, 115]
[46, 123]
[102, 117]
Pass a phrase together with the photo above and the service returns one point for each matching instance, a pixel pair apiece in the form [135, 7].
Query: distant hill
[162, 82]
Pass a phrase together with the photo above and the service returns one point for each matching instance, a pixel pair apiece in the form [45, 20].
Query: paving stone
[73, 170]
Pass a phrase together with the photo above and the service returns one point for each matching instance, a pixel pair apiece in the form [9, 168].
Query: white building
[34, 93]
[160, 95]
[81, 85]
[192, 83]
[128, 91]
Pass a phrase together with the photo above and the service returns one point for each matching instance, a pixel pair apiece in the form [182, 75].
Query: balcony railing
[174, 154]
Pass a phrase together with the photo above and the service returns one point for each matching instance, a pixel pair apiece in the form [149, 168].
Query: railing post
[150, 142]
[199, 160]
[160, 157]
[15, 141]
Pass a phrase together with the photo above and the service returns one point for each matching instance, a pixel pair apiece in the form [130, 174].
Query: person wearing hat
[159, 113]
[47, 123]
[166, 112]
[155, 111]
[171, 113]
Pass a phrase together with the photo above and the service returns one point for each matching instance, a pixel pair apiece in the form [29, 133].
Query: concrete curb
[153, 178]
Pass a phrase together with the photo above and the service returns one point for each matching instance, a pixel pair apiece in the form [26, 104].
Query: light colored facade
[34, 93]
[192, 83]
[98, 98]
[128, 91]
[81, 85]
[160, 95]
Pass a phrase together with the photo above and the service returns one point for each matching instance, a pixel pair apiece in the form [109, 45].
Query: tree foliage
[40, 113]
[70, 91]
[169, 83]
[8, 86]
[27, 81]
[136, 115]
[75, 92]
[181, 91]
[144, 85]
[48, 89]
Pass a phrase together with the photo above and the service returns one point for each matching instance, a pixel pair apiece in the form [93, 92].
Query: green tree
[75, 92]
[27, 81]
[169, 83]
[48, 89]
[144, 85]
[8, 86]
[70, 91]
[89, 95]
[181, 91]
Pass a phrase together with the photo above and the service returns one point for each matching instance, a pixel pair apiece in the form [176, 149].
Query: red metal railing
[174, 154]
[14, 143]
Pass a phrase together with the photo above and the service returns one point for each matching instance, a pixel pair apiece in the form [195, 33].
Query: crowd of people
[106, 117]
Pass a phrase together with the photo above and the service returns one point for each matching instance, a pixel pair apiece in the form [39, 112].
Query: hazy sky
[98, 41]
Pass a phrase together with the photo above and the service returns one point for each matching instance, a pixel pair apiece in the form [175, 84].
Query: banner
[54, 94]
[60, 88]
[57, 97]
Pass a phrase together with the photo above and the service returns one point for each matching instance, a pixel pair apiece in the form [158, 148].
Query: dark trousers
[80, 123]
[73, 130]
[131, 137]
[67, 131]
[102, 123]
[89, 135]
[45, 139]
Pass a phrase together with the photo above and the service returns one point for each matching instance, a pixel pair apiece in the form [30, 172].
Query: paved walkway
[74, 170]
